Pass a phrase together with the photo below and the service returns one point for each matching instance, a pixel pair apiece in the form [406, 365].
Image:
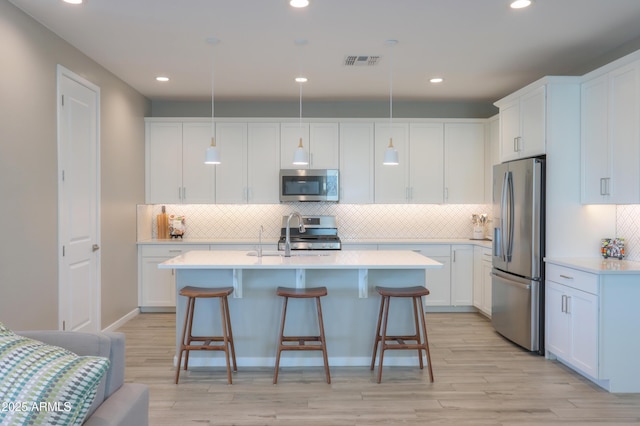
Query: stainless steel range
[320, 233]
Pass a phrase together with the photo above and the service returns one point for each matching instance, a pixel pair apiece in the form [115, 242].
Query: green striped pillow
[42, 384]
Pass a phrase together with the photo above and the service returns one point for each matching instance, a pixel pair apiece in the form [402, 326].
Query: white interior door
[78, 203]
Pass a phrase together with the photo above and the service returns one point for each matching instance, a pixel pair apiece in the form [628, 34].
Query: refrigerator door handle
[512, 283]
[503, 218]
[511, 214]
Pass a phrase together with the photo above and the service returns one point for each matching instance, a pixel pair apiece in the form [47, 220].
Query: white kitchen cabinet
[419, 176]
[391, 182]
[482, 279]
[610, 137]
[231, 173]
[356, 163]
[461, 275]
[572, 318]
[174, 170]
[250, 169]
[320, 140]
[263, 165]
[522, 124]
[426, 163]
[491, 155]
[451, 285]
[157, 287]
[464, 163]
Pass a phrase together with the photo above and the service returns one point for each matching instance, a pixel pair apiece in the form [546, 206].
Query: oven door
[309, 185]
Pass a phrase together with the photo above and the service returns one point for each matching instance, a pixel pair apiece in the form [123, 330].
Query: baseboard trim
[122, 321]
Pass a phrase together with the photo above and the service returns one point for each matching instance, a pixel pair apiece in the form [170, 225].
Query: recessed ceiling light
[162, 78]
[301, 79]
[299, 3]
[436, 80]
[519, 4]
[73, 1]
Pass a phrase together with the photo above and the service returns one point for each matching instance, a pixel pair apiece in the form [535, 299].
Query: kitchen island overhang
[350, 309]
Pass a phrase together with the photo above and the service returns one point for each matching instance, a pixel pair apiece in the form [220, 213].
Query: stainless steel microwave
[309, 185]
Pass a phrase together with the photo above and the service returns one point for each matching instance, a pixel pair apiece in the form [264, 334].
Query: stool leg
[323, 340]
[192, 311]
[426, 343]
[230, 333]
[386, 301]
[182, 339]
[225, 338]
[377, 339]
[414, 301]
[280, 339]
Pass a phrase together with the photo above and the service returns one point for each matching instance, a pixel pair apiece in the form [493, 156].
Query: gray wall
[338, 109]
[28, 175]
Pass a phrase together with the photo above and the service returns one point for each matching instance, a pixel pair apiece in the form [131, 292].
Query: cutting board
[163, 225]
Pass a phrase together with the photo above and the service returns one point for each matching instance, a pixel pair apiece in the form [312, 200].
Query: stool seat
[190, 291]
[415, 291]
[400, 341]
[207, 343]
[300, 293]
[299, 343]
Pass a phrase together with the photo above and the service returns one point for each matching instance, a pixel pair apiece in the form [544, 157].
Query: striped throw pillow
[42, 384]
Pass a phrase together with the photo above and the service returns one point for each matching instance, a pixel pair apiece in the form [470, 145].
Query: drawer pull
[566, 277]
[175, 251]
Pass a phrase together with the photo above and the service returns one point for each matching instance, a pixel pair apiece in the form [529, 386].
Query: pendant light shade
[391, 155]
[212, 154]
[300, 156]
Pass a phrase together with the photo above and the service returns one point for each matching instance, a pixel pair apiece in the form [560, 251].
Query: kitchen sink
[271, 253]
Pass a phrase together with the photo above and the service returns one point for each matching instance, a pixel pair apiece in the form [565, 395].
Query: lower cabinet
[572, 320]
[451, 285]
[482, 279]
[157, 287]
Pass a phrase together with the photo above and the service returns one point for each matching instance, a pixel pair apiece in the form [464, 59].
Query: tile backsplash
[355, 221]
[628, 227]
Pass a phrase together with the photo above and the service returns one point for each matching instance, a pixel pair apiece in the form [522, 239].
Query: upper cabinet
[356, 163]
[464, 163]
[426, 163]
[392, 182]
[522, 124]
[175, 171]
[320, 140]
[250, 164]
[610, 143]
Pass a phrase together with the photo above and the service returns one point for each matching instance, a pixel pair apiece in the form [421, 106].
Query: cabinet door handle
[568, 305]
[566, 277]
[446, 193]
[604, 186]
[184, 193]
[563, 303]
[454, 255]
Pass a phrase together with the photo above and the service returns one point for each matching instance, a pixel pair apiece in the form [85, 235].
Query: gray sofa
[116, 403]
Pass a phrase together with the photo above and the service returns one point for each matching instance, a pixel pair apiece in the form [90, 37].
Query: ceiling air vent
[361, 60]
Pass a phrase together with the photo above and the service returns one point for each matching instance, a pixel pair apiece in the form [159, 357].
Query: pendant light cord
[213, 63]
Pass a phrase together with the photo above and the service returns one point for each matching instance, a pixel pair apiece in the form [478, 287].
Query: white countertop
[483, 243]
[329, 259]
[598, 265]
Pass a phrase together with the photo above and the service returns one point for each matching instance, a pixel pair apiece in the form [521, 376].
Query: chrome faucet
[260, 241]
[287, 241]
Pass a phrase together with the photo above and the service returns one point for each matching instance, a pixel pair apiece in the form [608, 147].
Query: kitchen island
[350, 310]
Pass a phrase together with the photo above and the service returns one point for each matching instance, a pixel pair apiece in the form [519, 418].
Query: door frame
[62, 72]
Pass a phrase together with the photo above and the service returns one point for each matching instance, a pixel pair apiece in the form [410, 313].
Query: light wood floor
[480, 379]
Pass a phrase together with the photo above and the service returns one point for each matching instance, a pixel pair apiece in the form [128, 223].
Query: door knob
[95, 247]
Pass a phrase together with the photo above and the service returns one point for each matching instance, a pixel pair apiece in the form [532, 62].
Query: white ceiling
[482, 48]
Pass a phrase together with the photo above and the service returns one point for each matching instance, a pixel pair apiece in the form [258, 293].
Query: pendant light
[212, 155]
[391, 153]
[300, 156]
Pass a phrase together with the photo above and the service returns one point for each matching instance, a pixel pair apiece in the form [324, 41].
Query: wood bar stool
[193, 293]
[416, 294]
[302, 293]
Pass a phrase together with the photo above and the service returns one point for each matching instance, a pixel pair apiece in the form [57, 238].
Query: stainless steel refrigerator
[517, 276]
